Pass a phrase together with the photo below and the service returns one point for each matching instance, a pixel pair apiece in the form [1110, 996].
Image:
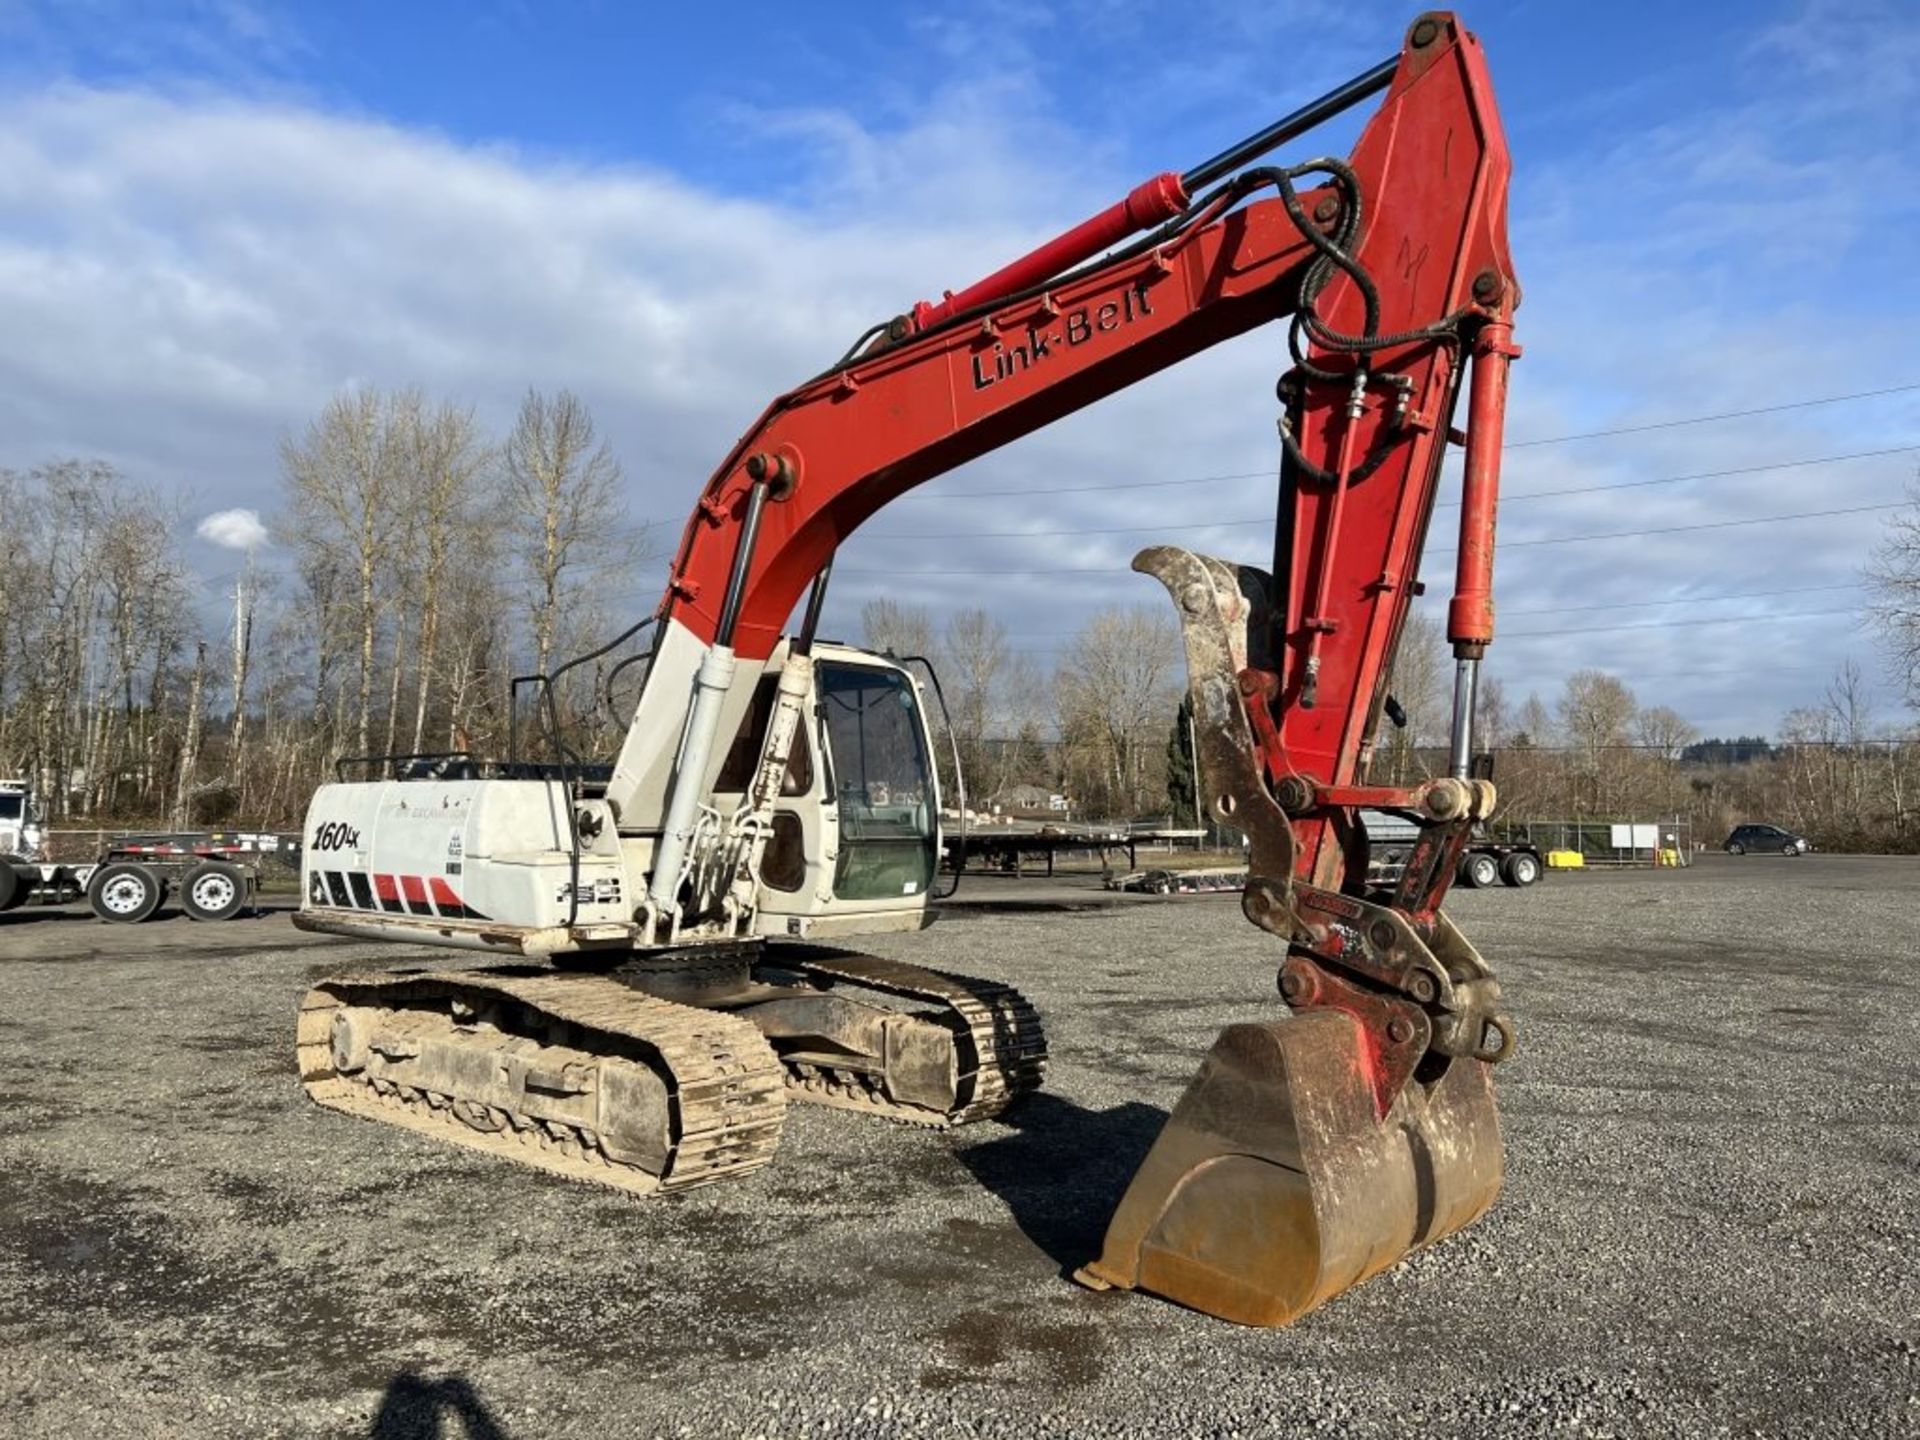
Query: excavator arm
[1421, 205]
[1394, 270]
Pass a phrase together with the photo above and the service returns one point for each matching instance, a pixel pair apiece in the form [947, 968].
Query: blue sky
[212, 217]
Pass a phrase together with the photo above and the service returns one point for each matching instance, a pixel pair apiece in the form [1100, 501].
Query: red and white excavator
[660, 990]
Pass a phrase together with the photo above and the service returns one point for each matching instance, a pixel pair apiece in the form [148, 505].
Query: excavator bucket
[1276, 1184]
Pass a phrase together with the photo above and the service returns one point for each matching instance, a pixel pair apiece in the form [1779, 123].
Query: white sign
[1636, 837]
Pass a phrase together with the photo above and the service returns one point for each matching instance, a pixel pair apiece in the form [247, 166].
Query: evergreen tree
[1182, 793]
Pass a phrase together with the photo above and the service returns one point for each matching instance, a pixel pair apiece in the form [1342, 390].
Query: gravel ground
[1708, 1228]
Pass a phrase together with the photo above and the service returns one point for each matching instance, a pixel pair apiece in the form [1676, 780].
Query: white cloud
[233, 529]
[197, 274]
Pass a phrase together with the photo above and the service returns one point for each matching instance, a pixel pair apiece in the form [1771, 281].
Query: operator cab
[856, 830]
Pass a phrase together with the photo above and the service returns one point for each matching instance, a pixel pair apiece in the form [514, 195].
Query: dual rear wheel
[214, 891]
[13, 885]
[127, 892]
[1482, 871]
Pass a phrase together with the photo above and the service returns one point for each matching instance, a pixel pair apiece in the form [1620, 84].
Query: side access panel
[469, 852]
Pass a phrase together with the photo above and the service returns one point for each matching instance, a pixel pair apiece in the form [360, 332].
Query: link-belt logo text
[1076, 327]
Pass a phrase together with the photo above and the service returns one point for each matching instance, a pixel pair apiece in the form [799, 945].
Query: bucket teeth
[1276, 1185]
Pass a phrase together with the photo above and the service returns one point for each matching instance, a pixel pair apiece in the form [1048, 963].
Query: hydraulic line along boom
[1152, 201]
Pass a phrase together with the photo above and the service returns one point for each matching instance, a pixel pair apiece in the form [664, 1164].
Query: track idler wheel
[1276, 1184]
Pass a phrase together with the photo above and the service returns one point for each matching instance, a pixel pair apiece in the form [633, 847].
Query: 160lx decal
[336, 835]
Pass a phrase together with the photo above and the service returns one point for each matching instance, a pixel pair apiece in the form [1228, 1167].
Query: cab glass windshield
[882, 783]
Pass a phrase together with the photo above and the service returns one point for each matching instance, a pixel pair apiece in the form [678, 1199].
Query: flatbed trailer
[1487, 862]
[1008, 847]
[215, 874]
[1214, 880]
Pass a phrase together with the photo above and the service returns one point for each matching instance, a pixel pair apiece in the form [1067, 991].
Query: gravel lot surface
[1710, 1223]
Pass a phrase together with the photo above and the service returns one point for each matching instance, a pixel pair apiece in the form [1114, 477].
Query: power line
[1685, 599]
[1444, 504]
[1703, 525]
[1708, 419]
[1680, 624]
[1505, 613]
[1504, 545]
[1691, 673]
[1510, 445]
[1266, 474]
[1604, 629]
[1700, 475]
[1725, 742]
[1075, 531]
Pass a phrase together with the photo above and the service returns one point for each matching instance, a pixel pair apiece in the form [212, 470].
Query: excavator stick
[1314, 1151]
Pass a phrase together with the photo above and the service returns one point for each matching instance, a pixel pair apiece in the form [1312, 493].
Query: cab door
[881, 780]
[855, 835]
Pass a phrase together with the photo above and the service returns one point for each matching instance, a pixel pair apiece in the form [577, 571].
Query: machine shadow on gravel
[1063, 1170]
[416, 1407]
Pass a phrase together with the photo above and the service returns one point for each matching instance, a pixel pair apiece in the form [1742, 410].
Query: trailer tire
[1521, 869]
[214, 891]
[126, 892]
[1479, 872]
[13, 886]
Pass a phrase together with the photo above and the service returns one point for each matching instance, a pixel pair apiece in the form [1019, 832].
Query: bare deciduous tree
[1596, 711]
[1493, 720]
[1893, 574]
[563, 497]
[343, 482]
[1116, 691]
[245, 599]
[1421, 684]
[447, 490]
[1534, 724]
[1665, 734]
[89, 630]
[893, 628]
[975, 662]
[190, 744]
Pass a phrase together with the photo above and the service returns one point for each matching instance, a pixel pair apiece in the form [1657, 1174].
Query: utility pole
[243, 598]
[1193, 754]
[190, 745]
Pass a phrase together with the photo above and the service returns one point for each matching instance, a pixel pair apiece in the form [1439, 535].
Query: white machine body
[841, 838]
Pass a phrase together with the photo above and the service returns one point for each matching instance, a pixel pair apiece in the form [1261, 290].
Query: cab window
[736, 772]
[882, 782]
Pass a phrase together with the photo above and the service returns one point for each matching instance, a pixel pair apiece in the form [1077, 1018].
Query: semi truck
[130, 877]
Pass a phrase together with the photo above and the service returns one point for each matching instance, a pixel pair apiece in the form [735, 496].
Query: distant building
[1016, 799]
